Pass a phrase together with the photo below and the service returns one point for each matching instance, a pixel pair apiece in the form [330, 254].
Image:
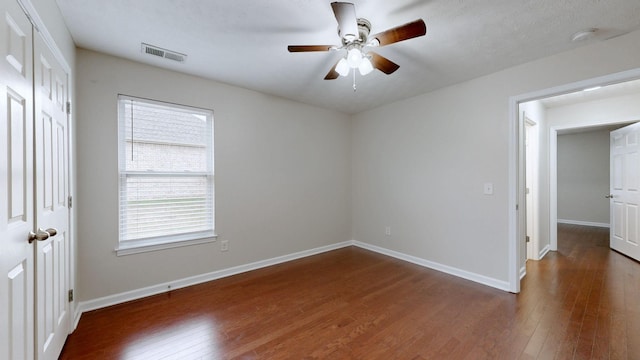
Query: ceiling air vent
[163, 53]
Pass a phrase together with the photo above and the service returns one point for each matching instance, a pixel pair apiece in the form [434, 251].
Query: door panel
[18, 290]
[617, 169]
[617, 212]
[625, 188]
[16, 184]
[17, 150]
[51, 147]
[632, 224]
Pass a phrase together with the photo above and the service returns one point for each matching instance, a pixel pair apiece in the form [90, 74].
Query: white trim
[583, 223]
[110, 300]
[523, 271]
[481, 279]
[553, 189]
[544, 252]
[141, 247]
[514, 101]
[77, 313]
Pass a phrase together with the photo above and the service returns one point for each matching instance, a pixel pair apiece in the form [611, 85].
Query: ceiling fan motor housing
[364, 28]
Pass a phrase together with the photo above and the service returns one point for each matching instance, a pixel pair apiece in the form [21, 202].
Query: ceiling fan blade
[303, 48]
[383, 64]
[332, 74]
[347, 22]
[400, 33]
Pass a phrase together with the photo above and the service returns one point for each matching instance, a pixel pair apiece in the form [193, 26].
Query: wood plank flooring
[582, 302]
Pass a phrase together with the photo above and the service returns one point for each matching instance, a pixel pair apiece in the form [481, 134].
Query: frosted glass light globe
[342, 67]
[354, 58]
[365, 66]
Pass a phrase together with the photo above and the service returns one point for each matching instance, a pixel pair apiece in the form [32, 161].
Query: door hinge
[70, 201]
[71, 295]
[68, 107]
[527, 238]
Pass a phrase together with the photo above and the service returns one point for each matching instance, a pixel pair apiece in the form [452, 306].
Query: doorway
[546, 226]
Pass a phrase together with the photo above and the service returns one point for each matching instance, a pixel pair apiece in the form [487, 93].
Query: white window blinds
[166, 172]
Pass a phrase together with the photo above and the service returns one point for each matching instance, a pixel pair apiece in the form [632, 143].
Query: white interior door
[16, 184]
[528, 191]
[52, 213]
[521, 204]
[625, 190]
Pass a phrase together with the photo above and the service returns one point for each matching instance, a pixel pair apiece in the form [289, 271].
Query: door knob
[610, 196]
[41, 235]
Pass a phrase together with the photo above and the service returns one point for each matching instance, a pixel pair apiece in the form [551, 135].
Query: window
[165, 156]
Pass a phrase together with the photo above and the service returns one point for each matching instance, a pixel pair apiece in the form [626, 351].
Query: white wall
[583, 177]
[282, 176]
[419, 165]
[619, 109]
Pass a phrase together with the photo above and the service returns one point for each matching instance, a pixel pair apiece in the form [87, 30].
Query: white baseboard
[485, 280]
[110, 300]
[523, 272]
[77, 313]
[544, 252]
[583, 223]
[115, 299]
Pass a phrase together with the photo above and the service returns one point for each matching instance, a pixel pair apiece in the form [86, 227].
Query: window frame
[134, 246]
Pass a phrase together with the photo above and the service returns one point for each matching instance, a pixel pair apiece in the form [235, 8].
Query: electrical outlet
[488, 188]
[387, 230]
[224, 245]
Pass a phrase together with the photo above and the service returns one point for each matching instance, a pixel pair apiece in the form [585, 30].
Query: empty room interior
[316, 179]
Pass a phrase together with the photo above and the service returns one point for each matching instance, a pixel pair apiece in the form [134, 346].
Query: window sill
[154, 245]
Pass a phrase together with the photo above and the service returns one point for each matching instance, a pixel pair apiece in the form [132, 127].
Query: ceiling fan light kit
[354, 35]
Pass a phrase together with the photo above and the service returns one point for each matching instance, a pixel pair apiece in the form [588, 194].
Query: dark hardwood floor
[582, 302]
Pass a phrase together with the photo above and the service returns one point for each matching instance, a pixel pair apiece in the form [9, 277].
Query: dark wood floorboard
[582, 302]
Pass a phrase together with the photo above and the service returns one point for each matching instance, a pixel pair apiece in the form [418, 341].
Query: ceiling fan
[354, 33]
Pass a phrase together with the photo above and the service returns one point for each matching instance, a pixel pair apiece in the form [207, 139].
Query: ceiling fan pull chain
[354, 80]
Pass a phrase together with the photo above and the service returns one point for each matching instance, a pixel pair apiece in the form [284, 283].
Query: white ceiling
[244, 42]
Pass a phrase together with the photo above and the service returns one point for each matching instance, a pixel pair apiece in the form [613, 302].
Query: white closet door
[51, 198]
[16, 184]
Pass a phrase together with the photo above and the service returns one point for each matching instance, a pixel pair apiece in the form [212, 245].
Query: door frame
[516, 173]
[40, 27]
